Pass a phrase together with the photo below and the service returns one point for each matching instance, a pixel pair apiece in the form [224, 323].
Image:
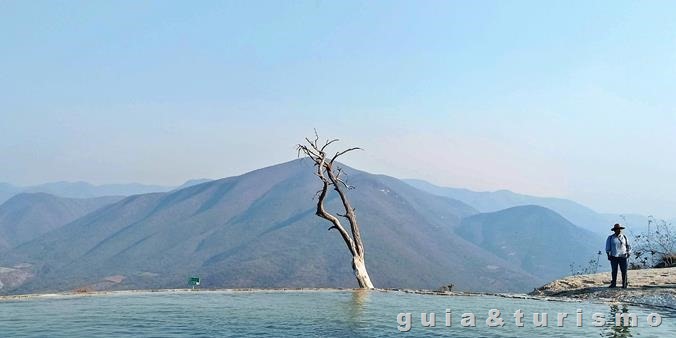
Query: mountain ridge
[491, 201]
[259, 230]
[26, 216]
[553, 241]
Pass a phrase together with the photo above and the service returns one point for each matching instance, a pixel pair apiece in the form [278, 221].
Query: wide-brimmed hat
[617, 227]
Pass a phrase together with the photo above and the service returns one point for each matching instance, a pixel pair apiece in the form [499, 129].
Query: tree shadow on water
[355, 309]
[611, 329]
[357, 304]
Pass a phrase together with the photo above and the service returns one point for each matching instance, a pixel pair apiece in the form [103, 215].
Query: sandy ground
[653, 287]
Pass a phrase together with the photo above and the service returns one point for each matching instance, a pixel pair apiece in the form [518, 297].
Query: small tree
[592, 266]
[330, 176]
[656, 247]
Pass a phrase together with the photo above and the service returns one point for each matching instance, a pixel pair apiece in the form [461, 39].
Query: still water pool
[313, 314]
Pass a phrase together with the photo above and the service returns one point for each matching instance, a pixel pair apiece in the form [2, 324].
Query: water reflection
[355, 312]
[358, 303]
[613, 330]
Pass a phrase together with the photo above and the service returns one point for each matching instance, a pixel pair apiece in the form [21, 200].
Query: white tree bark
[360, 273]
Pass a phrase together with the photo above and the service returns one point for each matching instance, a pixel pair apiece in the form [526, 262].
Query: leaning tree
[330, 175]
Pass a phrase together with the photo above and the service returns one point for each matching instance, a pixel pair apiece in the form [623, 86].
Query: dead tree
[331, 177]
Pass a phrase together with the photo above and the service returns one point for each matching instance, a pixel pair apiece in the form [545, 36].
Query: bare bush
[656, 247]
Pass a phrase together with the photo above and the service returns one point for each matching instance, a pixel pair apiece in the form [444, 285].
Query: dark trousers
[622, 262]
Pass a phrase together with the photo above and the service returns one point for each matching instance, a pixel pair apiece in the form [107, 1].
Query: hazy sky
[568, 99]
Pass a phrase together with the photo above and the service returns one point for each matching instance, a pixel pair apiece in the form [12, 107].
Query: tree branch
[316, 138]
[321, 212]
[320, 160]
[340, 153]
[349, 211]
[328, 143]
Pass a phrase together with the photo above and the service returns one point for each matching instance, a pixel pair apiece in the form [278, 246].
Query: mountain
[190, 183]
[259, 230]
[536, 239]
[4, 245]
[88, 190]
[81, 189]
[576, 213]
[26, 216]
[7, 191]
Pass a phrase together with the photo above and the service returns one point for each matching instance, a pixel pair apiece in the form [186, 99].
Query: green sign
[194, 281]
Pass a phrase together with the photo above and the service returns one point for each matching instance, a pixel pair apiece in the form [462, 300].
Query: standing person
[618, 250]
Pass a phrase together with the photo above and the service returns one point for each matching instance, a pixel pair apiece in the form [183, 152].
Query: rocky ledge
[651, 287]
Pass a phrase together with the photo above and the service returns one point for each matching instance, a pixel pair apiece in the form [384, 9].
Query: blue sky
[569, 99]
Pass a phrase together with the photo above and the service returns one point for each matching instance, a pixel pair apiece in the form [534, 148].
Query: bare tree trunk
[331, 177]
[359, 267]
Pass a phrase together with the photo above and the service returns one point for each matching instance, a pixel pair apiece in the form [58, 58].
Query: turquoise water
[303, 314]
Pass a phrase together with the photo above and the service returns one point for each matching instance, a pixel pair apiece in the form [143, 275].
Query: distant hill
[4, 245]
[576, 213]
[80, 189]
[88, 190]
[26, 216]
[537, 239]
[259, 230]
[7, 191]
[190, 183]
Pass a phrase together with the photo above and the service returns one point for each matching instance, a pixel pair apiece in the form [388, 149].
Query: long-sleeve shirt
[617, 246]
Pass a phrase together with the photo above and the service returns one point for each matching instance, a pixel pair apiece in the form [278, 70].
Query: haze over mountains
[535, 238]
[578, 214]
[26, 216]
[80, 189]
[259, 230]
